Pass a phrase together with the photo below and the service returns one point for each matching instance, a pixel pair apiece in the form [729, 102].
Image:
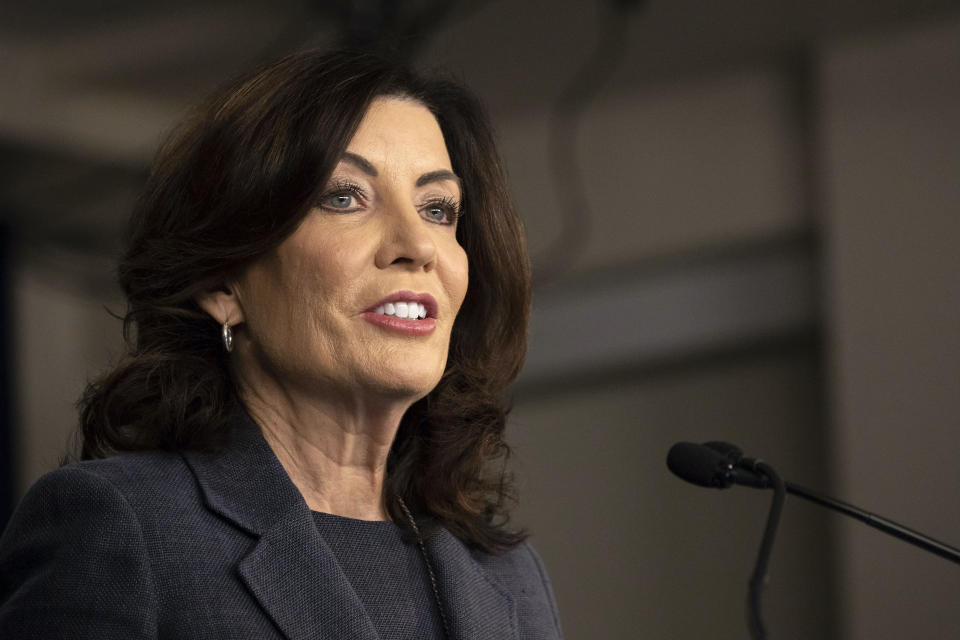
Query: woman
[303, 439]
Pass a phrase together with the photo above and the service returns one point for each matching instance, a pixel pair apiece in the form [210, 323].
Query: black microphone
[716, 465]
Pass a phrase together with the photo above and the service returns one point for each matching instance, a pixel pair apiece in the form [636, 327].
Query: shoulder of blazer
[153, 483]
[521, 571]
[73, 558]
[140, 475]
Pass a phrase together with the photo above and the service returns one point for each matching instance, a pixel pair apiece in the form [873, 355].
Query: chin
[405, 384]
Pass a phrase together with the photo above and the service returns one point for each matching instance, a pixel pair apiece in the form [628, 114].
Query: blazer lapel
[296, 578]
[290, 570]
[477, 606]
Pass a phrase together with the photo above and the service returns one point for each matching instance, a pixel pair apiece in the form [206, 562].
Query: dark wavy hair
[228, 186]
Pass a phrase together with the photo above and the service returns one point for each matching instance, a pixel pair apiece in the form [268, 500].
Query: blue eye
[342, 197]
[445, 211]
[339, 201]
[437, 213]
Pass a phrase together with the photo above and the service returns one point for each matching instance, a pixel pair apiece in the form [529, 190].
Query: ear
[222, 304]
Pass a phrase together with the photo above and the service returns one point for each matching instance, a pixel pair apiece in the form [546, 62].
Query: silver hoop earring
[227, 334]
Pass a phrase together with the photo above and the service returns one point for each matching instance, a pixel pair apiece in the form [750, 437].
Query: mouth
[406, 305]
[404, 313]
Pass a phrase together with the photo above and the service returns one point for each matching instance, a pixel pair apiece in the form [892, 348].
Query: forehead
[400, 131]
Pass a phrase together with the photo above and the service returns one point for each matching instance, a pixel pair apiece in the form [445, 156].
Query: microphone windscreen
[699, 465]
[732, 452]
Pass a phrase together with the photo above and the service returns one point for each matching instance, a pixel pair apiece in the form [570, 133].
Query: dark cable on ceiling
[565, 119]
[385, 27]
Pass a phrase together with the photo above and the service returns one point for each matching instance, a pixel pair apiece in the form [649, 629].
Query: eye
[339, 201]
[442, 211]
[342, 197]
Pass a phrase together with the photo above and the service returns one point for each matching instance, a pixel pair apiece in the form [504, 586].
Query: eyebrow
[441, 175]
[360, 162]
[438, 176]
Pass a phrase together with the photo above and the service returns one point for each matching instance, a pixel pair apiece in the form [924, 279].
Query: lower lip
[399, 325]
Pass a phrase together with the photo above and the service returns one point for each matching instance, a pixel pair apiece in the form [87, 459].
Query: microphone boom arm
[877, 522]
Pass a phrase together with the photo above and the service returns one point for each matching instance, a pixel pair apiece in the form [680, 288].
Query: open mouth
[409, 310]
[406, 305]
[405, 312]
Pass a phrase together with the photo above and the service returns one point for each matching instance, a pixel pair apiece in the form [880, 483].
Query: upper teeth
[409, 310]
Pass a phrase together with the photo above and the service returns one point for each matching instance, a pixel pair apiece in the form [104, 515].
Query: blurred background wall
[744, 222]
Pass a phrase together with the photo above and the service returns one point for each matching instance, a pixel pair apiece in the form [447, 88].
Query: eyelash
[450, 205]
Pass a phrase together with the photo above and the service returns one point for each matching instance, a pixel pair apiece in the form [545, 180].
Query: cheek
[338, 275]
[271, 309]
[457, 276]
[284, 297]
[323, 269]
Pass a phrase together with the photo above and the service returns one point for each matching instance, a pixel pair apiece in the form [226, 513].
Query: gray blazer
[191, 545]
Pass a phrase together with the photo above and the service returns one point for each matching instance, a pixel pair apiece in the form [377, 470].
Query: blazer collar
[292, 571]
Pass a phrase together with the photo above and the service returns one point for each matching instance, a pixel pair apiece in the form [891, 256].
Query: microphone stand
[759, 577]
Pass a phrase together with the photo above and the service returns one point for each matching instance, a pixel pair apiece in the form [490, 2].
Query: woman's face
[324, 312]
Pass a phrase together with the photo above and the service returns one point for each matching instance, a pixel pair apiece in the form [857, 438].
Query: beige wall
[669, 169]
[892, 152]
[64, 337]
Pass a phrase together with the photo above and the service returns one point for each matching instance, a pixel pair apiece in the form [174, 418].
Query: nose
[407, 240]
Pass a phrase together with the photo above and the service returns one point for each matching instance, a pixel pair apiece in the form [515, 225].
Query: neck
[335, 455]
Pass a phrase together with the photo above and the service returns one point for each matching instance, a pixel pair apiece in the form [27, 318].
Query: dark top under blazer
[192, 545]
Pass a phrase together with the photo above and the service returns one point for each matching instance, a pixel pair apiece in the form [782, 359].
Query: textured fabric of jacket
[191, 545]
